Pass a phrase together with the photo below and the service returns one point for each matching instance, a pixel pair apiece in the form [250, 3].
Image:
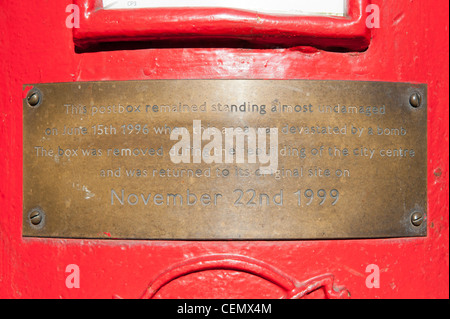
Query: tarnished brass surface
[343, 182]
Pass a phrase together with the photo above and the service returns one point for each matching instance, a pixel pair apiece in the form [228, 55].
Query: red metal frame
[98, 25]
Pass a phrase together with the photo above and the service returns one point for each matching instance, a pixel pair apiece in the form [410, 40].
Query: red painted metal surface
[292, 288]
[182, 24]
[35, 46]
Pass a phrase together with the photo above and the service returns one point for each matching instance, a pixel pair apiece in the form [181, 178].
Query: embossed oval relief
[288, 287]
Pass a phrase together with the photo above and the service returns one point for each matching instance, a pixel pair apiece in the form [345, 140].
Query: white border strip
[289, 7]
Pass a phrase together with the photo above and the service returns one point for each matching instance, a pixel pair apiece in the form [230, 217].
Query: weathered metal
[350, 159]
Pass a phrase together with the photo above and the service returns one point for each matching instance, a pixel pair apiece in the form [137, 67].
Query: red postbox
[93, 40]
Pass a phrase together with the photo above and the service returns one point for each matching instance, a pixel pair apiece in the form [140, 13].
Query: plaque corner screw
[36, 217]
[415, 100]
[417, 219]
[34, 98]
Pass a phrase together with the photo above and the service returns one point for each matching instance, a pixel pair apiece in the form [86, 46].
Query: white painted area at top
[286, 7]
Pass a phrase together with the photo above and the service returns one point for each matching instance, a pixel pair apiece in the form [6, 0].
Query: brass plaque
[225, 159]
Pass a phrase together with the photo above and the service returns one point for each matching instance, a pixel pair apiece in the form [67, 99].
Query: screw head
[33, 99]
[35, 217]
[415, 100]
[417, 219]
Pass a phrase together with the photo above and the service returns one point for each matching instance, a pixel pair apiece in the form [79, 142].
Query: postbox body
[42, 43]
